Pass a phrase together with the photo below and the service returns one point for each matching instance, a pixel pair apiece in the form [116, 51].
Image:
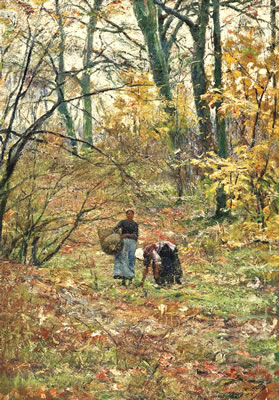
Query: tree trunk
[221, 197]
[3, 204]
[60, 81]
[146, 13]
[273, 45]
[4, 190]
[199, 81]
[85, 79]
[87, 109]
[220, 122]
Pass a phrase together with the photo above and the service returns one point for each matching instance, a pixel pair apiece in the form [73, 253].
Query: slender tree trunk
[87, 109]
[158, 48]
[85, 79]
[199, 81]
[273, 44]
[63, 108]
[4, 191]
[146, 13]
[273, 23]
[220, 122]
[3, 204]
[221, 197]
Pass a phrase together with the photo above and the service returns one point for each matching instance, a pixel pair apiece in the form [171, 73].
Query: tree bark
[220, 122]
[221, 197]
[198, 76]
[60, 80]
[199, 80]
[85, 79]
[273, 44]
[146, 13]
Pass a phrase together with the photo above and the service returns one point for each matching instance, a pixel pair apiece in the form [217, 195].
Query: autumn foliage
[85, 133]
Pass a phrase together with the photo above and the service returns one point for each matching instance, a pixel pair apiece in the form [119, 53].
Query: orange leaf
[270, 392]
[102, 376]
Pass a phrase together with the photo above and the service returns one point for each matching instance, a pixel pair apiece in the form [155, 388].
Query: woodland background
[170, 108]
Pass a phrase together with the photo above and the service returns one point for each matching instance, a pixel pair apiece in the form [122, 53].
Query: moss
[263, 346]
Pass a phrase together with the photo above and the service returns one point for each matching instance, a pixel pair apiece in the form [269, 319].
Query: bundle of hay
[111, 242]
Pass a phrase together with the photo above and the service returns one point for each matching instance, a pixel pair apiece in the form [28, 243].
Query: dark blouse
[127, 226]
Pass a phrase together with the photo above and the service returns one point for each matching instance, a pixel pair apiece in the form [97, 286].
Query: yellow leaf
[39, 2]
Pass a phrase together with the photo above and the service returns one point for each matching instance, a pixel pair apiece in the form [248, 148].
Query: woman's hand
[127, 235]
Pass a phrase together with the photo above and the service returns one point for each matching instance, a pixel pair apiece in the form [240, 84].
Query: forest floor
[70, 331]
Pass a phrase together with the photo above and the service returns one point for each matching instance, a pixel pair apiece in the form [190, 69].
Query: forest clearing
[71, 331]
[166, 112]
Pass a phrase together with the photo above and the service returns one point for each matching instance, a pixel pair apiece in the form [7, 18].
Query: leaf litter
[216, 337]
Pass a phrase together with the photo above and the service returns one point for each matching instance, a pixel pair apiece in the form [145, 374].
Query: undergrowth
[70, 331]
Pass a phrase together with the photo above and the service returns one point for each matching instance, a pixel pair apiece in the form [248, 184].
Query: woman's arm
[128, 235]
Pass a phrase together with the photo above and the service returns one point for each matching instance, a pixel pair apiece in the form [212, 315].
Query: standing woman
[124, 264]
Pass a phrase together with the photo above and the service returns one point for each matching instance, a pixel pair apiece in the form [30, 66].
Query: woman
[124, 264]
[163, 258]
